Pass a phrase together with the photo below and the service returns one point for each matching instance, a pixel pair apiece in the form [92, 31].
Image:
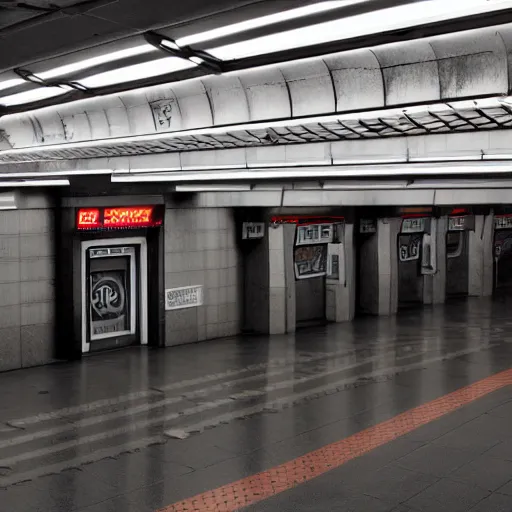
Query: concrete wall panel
[358, 80]
[26, 287]
[267, 94]
[201, 250]
[411, 73]
[311, 88]
[472, 63]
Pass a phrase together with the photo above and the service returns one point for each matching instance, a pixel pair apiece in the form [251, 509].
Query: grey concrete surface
[92, 436]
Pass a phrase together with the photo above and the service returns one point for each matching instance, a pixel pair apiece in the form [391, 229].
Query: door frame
[143, 280]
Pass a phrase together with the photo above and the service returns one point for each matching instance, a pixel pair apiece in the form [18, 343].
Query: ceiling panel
[59, 32]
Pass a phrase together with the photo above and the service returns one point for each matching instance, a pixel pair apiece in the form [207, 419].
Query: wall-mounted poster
[310, 261]
[109, 311]
[311, 234]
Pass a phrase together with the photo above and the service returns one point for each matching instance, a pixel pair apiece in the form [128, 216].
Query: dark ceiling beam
[53, 14]
[19, 6]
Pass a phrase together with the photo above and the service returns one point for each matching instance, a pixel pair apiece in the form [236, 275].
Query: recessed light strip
[80, 65]
[315, 172]
[41, 93]
[374, 22]
[34, 183]
[264, 21]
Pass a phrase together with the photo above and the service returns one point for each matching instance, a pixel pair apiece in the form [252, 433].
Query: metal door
[367, 285]
[410, 278]
[310, 300]
[457, 263]
[310, 270]
[503, 258]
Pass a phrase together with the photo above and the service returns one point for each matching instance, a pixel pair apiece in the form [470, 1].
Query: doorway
[114, 288]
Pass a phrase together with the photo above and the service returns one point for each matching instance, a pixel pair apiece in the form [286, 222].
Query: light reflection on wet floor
[120, 402]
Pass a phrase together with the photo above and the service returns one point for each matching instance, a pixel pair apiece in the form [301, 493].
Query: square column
[481, 264]
[341, 296]
[387, 254]
[281, 279]
[434, 290]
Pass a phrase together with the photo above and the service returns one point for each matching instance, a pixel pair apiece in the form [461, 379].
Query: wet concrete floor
[137, 430]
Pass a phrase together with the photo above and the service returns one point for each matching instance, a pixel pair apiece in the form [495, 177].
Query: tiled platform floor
[142, 430]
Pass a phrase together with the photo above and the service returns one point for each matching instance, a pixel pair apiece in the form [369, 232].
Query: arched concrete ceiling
[477, 115]
[439, 70]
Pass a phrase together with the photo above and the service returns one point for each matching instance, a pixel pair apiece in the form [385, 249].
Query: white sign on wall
[312, 234]
[416, 225]
[503, 222]
[252, 230]
[456, 223]
[185, 297]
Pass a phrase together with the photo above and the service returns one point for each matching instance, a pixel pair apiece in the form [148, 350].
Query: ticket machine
[502, 252]
[457, 254]
[416, 258]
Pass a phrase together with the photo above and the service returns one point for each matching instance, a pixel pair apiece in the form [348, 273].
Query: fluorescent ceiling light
[355, 161]
[95, 61]
[264, 21]
[460, 184]
[448, 158]
[305, 163]
[41, 93]
[213, 188]
[361, 185]
[393, 18]
[35, 183]
[137, 72]
[171, 45]
[502, 156]
[48, 174]
[196, 60]
[312, 172]
[13, 82]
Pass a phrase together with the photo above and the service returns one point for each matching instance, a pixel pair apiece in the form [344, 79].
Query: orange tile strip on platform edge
[253, 489]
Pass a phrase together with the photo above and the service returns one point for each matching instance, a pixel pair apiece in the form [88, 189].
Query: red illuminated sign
[304, 219]
[88, 218]
[127, 217]
[118, 218]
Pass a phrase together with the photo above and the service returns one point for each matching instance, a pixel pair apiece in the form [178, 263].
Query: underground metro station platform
[406, 413]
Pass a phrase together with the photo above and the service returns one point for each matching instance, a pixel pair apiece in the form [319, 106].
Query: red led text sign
[305, 219]
[118, 218]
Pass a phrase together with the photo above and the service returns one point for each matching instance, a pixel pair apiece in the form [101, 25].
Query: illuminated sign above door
[124, 217]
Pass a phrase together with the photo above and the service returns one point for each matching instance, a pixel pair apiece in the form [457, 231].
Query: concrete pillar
[341, 296]
[387, 233]
[437, 282]
[277, 280]
[289, 274]
[481, 257]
